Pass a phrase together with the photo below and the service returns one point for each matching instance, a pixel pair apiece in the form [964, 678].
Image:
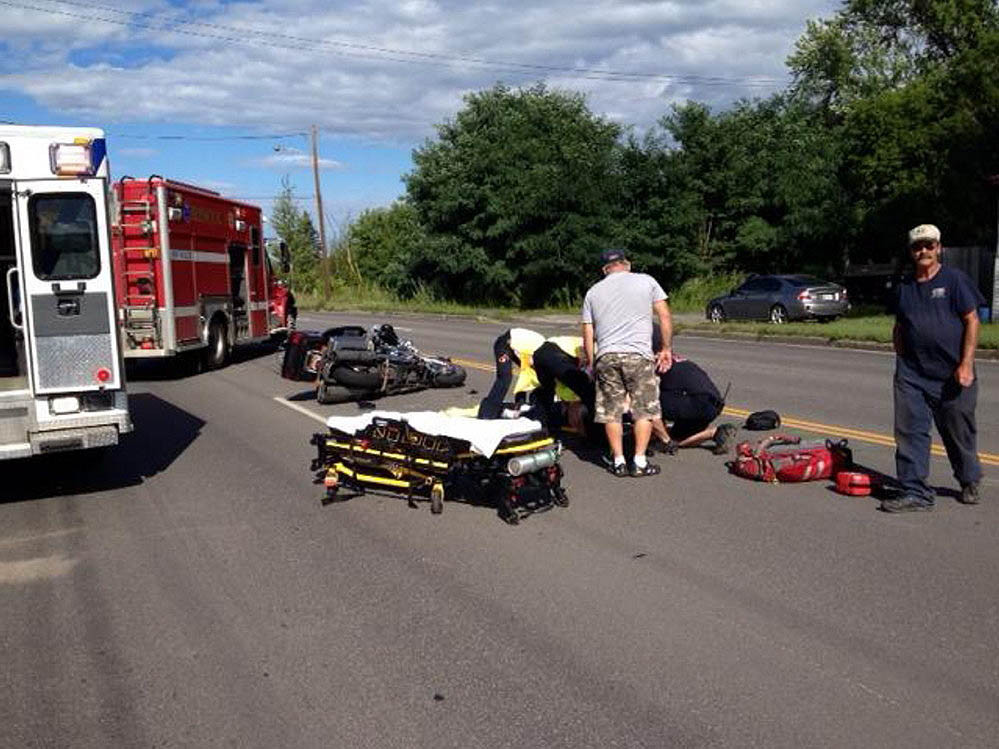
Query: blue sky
[222, 94]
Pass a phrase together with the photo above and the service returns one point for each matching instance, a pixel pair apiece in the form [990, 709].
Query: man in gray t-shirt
[617, 335]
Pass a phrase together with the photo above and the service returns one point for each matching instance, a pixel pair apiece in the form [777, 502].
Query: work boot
[905, 504]
[666, 448]
[969, 494]
[724, 434]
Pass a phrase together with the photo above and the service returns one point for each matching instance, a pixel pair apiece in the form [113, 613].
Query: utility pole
[319, 198]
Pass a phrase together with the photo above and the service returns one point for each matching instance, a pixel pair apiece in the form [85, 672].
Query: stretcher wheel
[560, 496]
[437, 499]
[508, 512]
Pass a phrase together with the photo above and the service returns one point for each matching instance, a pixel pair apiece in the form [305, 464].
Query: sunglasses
[926, 244]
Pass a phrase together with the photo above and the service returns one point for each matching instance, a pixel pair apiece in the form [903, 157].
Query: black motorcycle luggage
[297, 348]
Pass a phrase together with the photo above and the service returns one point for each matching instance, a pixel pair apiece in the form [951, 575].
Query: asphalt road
[189, 589]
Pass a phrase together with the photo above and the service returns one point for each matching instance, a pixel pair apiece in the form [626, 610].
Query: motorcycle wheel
[451, 376]
[357, 379]
[328, 394]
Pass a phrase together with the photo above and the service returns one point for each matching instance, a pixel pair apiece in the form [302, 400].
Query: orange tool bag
[784, 459]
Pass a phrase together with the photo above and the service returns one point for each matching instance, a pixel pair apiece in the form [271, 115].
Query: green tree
[294, 226]
[386, 245]
[516, 196]
[909, 89]
[753, 188]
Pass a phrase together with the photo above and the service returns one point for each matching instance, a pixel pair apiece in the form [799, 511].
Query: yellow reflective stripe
[528, 446]
[373, 479]
[564, 393]
[527, 379]
[570, 344]
[393, 456]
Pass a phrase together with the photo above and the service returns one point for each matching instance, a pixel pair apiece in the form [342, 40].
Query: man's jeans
[920, 401]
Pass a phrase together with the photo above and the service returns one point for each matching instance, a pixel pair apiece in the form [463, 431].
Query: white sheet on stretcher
[484, 434]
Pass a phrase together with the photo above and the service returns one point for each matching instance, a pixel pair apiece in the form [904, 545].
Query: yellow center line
[474, 364]
[832, 430]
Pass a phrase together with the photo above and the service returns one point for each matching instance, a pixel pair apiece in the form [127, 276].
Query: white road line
[301, 409]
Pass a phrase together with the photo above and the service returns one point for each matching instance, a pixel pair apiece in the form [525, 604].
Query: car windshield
[806, 281]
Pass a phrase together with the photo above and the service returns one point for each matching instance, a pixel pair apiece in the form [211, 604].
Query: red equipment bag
[783, 459]
[853, 483]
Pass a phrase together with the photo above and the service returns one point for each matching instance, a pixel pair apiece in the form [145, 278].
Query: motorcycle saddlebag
[296, 349]
[784, 459]
[348, 338]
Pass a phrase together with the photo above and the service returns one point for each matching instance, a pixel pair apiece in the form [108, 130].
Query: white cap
[924, 233]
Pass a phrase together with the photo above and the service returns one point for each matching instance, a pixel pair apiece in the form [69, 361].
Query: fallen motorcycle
[350, 363]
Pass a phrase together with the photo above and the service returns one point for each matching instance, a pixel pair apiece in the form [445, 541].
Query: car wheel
[778, 314]
[716, 314]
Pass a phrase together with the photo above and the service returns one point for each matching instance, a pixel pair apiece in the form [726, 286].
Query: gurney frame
[521, 477]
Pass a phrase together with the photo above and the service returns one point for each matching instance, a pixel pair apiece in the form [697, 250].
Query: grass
[862, 327]
[862, 324]
[693, 295]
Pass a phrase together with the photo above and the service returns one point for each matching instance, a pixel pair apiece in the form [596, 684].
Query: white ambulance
[61, 376]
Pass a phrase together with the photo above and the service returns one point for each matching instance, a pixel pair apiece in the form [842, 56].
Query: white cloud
[287, 158]
[385, 70]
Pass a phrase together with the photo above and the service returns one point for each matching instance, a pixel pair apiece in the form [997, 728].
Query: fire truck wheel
[217, 355]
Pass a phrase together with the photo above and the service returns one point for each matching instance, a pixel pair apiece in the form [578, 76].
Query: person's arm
[588, 345]
[896, 339]
[965, 372]
[664, 357]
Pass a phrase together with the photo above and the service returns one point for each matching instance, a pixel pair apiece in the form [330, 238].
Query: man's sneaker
[724, 434]
[905, 504]
[649, 469]
[969, 494]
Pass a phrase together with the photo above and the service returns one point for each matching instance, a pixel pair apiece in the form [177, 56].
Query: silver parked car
[780, 299]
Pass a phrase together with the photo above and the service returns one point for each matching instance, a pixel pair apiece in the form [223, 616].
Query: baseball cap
[924, 233]
[612, 256]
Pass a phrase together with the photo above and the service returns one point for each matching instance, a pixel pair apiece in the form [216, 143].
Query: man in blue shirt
[935, 335]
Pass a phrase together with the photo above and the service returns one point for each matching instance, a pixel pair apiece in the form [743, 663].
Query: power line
[273, 136]
[360, 50]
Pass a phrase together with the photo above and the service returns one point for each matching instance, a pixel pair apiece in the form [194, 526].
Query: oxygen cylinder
[529, 463]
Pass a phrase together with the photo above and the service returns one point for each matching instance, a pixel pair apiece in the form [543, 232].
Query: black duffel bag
[760, 421]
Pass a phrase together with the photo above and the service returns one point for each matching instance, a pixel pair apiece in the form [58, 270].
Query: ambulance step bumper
[81, 438]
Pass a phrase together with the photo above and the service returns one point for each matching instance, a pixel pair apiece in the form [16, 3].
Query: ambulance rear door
[69, 306]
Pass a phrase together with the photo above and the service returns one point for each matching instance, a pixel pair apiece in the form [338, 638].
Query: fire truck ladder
[141, 315]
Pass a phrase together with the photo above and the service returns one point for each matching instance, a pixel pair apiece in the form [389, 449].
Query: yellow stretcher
[520, 475]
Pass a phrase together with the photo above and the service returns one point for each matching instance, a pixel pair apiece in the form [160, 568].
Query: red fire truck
[191, 272]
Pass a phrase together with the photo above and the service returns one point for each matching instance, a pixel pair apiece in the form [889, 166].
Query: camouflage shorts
[619, 376]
